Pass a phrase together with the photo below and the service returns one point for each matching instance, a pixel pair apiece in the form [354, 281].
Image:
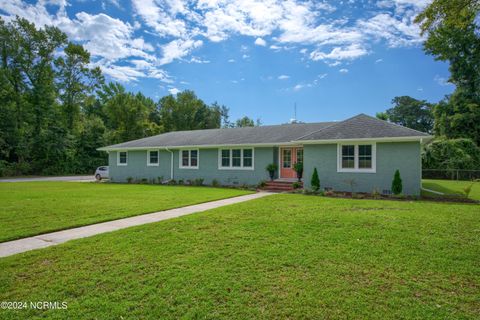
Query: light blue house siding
[404, 156]
[208, 167]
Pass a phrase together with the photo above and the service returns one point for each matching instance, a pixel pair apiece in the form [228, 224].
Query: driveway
[65, 178]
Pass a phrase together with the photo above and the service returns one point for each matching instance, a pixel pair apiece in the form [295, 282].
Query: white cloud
[178, 49]
[298, 87]
[283, 77]
[343, 70]
[260, 42]
[181, 26]
[174, 91]
[323, 75]
[378, 60]
[231, 60]
[351, 52]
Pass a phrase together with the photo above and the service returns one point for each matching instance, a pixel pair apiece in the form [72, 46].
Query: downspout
[171, 163]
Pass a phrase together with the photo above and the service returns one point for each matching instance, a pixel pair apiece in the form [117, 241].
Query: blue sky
[334, 59]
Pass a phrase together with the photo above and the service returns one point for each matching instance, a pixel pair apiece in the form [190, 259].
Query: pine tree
[397, 183]
[315, 182]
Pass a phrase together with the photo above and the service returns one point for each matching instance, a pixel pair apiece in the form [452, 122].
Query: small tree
[298, 167]
[271, 168]
[397, 186]
[315, 182]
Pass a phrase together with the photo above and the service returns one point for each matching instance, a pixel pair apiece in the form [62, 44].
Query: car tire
[98, 177]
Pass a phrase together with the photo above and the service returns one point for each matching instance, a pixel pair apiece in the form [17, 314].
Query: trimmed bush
[397, 186]
[315, 182]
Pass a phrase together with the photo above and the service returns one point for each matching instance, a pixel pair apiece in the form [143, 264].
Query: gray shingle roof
[358, 127]
[363, 127]
[231, 136]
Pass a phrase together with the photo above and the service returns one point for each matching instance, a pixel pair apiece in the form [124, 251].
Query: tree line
[453, 35]
[56, 109]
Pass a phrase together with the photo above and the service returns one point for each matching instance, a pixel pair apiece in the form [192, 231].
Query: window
[225, 158]
[247, 158]
[348, 157]
[287, 158]
[241, 159]
[152, 158]
[122, 159]
[356, 158]
[237, 158]
[300, 155]
[189, 159]
[365, 156]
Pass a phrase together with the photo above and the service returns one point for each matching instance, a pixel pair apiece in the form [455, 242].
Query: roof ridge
[329, 126]
[392, 123]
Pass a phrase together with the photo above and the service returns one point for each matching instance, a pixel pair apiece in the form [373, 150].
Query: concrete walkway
[50, 239]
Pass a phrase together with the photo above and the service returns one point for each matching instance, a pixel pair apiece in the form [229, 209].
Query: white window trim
[149, 164]
[220, 167]
[118, 158]
[357, 169]
[189, 159]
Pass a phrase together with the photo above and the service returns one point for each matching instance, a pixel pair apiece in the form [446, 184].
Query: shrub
[129, 179]
[298, 167]
[198, 182]
[144, 181]
[451, 154]
[397, 186]
[315, 182]
[215, 183]
[375, 193]
[172, 182]
[271, 168]
[261, 184]
[296, 185]
[160, 179]
[180, 182]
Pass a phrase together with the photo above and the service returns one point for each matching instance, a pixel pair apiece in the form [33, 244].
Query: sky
[332, 59]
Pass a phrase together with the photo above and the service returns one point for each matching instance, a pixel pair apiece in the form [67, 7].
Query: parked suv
[101, 173]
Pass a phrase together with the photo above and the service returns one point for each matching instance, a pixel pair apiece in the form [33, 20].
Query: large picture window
[152, 158]
[356, 157]
[122, 158]
[189, 159]
[237, 158]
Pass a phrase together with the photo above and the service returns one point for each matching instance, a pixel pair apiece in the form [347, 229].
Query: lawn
[279, 257]
[31, 208]
[452, 187]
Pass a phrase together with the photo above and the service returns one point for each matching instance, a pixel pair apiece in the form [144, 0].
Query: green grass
[31, 208]
[279, 257]
[451, 187]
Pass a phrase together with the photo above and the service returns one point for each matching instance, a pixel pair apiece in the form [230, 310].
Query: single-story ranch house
[361, 150]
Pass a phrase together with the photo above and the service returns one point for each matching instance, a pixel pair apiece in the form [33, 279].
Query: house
[362, 150]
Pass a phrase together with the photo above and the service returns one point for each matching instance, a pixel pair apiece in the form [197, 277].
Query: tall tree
[76, 82]
[245, 122]
[127, 115]
[453, 35]
[186, 111]
[412, 113]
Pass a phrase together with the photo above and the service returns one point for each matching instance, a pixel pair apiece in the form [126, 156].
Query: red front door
[288, 157]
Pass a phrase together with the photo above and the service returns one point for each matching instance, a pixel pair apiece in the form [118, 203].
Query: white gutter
[171, 163]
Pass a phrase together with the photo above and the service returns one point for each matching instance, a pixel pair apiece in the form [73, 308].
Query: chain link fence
[451, 174]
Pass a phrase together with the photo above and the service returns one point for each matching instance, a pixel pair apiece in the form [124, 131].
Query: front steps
[280, 186]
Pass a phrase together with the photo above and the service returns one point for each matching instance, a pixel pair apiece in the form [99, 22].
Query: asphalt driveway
[64, 178]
